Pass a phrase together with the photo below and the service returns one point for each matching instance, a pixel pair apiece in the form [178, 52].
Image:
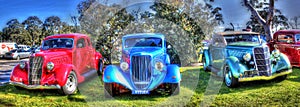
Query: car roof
[230, 33]
[71, 35]
[289, 31]
[159, 35]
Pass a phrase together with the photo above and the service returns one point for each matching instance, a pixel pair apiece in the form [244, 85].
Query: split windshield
[143, 42]
[58, 43]
[242, 38]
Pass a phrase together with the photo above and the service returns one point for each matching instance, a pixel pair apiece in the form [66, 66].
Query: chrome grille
[35, 72]
[141, 70]
[262, 61]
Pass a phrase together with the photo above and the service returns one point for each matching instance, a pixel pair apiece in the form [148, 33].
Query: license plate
[140, 92]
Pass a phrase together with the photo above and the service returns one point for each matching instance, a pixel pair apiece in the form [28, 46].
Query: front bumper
[255, 78]
[35, 86]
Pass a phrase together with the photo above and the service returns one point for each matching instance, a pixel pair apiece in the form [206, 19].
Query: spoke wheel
[204, 63]
[71, 85]
[229, 80]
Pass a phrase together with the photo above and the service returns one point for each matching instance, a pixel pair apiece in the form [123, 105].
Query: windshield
[242, 38]
[143, 42]
[58, 43]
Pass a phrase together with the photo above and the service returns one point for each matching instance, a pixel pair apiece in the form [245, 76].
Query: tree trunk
[267, 24]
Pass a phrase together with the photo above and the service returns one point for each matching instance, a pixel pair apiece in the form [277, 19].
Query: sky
[21, 9]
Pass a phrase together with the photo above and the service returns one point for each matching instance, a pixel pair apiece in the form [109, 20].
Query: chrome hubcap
[71, 83]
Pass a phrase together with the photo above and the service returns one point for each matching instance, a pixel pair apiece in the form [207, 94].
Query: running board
[90, 74]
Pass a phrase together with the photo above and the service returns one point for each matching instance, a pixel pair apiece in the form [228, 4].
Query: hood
[143, 51]
[57, 57]
[251, 44]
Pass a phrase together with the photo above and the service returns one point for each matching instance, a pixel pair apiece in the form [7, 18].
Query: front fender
[113, 74]
[62, 72]
[234, 65]
[19, 75]
[173, 74]
[283, 62]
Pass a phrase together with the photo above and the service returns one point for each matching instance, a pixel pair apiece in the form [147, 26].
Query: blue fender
[207, 57]
[283, 62]
[113, 74]
[173, 74]
[234, 65]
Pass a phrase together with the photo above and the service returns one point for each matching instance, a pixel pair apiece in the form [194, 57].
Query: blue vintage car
[242, 56]
[145, 65]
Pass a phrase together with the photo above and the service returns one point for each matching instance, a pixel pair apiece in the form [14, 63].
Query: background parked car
[17, 54]
[25, 47]
[6, 47]
[241, 56]
[287, 42]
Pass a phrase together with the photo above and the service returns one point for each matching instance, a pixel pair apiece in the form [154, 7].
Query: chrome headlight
[276, 53]
[22, 64]
[124, 66]
[247, 57]
[50, 65]
[159, 66]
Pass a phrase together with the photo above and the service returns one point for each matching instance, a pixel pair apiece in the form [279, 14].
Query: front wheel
[229, 80]
[71, 85]
[175, 88]
[109, 91]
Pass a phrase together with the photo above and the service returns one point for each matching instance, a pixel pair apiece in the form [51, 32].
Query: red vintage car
[288, 43]
[64, 61]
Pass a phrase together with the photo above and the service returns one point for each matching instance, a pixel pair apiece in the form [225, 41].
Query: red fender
[19, 75]
[62, 73]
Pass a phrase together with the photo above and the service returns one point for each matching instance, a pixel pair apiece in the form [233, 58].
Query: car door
[217, 52]
[81, 55]
[90, 54]
[285, 43]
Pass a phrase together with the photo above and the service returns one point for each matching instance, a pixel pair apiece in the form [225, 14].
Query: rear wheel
[229, 80]
[204, 64]
[100, 67]
[71, 85]
[18, 57]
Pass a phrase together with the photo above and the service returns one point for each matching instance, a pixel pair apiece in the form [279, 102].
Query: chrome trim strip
[35, 86]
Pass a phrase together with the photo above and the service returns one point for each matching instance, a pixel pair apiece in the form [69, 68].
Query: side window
[88, 42]
[285, 38]
[80, 43]
[215, 40]
[297, 38]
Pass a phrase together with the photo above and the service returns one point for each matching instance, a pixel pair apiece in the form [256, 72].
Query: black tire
[229, 80]
[71, 85]
[19, 88]
[100, 66]
[204, 64]
[18, 58]
[110, 90]
[282, 78]
[175, 88]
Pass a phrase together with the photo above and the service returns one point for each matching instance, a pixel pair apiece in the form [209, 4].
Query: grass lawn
[197, 88]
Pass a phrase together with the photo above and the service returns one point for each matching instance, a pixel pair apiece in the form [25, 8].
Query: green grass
[194, 92]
